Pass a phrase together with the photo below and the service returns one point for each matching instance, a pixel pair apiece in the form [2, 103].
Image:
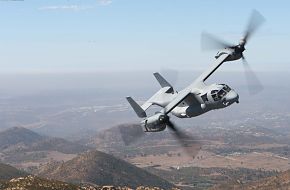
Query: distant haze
[65, 103]
[123, 82]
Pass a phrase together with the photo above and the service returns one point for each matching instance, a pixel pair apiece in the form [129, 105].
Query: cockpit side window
[218, 95]
[214, 95]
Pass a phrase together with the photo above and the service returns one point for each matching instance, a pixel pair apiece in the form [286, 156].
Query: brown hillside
[102, 169]
[280, 181]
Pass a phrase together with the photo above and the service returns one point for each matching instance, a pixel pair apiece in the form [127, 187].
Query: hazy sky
[81, 35]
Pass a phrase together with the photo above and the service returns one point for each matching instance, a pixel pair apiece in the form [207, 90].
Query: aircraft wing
[178, 99]
[218, 62]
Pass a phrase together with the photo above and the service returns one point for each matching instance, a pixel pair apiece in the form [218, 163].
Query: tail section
[139, 111]
[161, 98]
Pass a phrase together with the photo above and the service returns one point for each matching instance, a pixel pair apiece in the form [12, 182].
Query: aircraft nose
[231, 97]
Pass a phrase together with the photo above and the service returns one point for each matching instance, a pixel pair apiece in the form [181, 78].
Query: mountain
[21, 139]
[18, 135]
[102, 169]
[57, 144]
[25, 149]
[279, 181]
[8, 172]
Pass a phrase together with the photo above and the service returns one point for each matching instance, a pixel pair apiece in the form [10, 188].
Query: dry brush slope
[102, 169]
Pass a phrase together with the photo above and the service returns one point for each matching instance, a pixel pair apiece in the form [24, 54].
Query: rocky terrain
[242, 151]
[35, 183]
[14, 179]
[237, 151]
[20, 146]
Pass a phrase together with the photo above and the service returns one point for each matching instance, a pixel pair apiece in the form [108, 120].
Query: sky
[126, 35]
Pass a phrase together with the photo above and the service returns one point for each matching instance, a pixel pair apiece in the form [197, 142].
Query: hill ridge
[102, 169]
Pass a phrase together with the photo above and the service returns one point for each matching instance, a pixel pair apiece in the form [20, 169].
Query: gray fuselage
[215, 96]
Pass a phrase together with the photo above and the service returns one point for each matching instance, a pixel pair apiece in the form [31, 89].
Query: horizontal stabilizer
[146, 105]
[139, 111]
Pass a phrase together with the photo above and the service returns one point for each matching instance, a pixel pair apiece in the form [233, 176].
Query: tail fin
[139, 111]
[161, 80]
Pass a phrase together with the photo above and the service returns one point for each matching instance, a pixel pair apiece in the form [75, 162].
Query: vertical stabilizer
[139, 111]
[161, 80]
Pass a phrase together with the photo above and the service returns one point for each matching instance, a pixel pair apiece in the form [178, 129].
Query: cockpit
[219, 94]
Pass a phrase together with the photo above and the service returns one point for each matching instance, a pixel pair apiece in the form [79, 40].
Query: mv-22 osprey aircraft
[198, 98]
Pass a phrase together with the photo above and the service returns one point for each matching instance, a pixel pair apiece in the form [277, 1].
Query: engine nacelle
[154, 123]
[194, 111]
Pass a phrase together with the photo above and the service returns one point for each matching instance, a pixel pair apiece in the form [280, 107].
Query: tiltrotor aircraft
[199, 97]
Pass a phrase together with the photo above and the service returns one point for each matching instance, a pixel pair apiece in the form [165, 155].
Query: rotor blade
[131, 133]
[210, 42]
[256, 20]
[186, 141]
[178, 134]
[253, 83]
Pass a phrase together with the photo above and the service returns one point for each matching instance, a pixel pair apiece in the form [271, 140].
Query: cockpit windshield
[219, 94]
